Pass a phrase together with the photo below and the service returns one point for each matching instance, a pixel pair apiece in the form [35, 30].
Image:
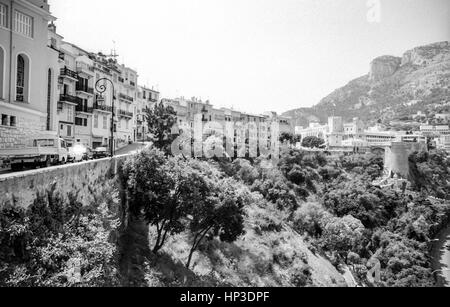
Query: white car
[76, 153]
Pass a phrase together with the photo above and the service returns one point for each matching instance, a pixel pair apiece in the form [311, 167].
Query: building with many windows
[246, 132]
[29, 70]
[145, 99]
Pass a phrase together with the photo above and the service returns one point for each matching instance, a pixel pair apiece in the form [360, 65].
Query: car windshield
[44, 143]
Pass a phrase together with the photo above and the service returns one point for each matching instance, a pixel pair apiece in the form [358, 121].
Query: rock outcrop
[383, 67]
[385, 93]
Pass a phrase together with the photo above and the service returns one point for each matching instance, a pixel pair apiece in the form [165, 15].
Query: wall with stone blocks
[24, 186]
[397, 157]
[28, 127]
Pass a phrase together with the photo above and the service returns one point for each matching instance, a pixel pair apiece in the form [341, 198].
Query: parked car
[76, 153]
[101, 152]
[88, 154]
[44, 152]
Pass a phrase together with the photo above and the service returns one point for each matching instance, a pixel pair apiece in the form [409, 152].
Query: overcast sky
[253, 55]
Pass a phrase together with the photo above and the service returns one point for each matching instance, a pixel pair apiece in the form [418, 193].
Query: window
[85, 122]
[4, 120]
[70, 114]
[78, 121]
[105, 122]
[96, 121]
[3, 16]
[12, 121]
[23, 24]
[69, 130]
[20, 88]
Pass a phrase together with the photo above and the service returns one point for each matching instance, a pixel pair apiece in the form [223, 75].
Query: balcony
[103, 108]
[80, 107]
[83, 68]
[69, 99]
[84, 89]
[126, 97]
[123, 113]
[65, 72]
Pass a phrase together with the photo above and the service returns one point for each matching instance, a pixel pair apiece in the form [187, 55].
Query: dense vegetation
[349, 219]
[222, 222]
[59, 242]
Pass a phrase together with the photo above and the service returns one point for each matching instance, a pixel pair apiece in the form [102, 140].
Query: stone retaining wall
[23, 187]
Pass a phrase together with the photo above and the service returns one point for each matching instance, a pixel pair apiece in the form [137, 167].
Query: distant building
[314, 129]
[443, 143]
[439, 130]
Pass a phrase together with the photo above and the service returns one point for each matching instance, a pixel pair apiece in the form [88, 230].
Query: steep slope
[393, 88]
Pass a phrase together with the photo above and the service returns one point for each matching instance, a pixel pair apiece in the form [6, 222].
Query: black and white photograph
[224, 148]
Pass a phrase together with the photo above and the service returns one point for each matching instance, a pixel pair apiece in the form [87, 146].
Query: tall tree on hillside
[161, 120]
[160, 190]
[220, 214]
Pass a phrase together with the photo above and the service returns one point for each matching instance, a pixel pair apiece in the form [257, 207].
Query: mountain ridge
[394, 87]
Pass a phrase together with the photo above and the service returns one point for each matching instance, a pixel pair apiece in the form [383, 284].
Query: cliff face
[383, 67]
[394, 87]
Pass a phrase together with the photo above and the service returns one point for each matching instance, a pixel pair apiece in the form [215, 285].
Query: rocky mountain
[394, 88]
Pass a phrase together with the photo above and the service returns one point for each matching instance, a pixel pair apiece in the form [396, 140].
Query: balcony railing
[125, 113]
[102, 107]
[69, 98]
[69, 73]
[80, 107]
[85, 89]
[83, 67]
[126, 97]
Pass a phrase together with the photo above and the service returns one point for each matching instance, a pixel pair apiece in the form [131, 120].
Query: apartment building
[431, 130]
[127, 90]
[247, 132]
[76, 98]
[29, 69]
[146, 98]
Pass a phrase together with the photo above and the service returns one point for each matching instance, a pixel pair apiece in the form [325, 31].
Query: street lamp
[101, 88]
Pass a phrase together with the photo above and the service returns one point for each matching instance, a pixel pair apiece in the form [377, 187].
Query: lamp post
[101, 88]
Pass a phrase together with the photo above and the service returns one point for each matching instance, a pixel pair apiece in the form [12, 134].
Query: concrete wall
[24, 186]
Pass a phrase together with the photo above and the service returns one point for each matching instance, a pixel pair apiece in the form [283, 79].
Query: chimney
[52, 27]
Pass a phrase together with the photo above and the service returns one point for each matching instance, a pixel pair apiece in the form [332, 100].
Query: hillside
[394, 87]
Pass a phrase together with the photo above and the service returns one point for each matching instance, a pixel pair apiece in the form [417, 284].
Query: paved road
[441, 255]
[130, 149]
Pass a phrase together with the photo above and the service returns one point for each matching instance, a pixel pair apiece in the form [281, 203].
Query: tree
[343, 235]
[161, 189]
[161, 120]
[313, 142]
[220, 214]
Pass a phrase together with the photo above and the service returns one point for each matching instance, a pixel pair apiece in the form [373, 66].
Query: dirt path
[134, 249]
